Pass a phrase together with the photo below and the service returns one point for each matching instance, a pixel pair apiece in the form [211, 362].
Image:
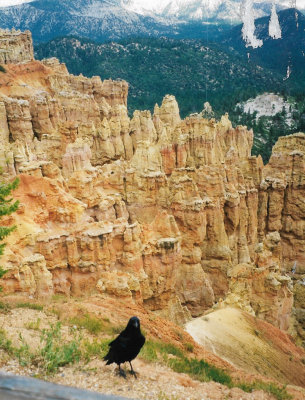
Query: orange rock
[172, 214]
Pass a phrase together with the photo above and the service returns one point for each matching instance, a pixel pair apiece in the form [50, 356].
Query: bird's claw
[122, 373]
[134, 373]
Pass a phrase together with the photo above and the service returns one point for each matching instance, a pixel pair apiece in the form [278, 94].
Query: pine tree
[7, 207]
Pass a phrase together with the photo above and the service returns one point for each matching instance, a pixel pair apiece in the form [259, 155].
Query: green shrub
[5, 344]
[23, 353]
[2, 69]
[55, 353]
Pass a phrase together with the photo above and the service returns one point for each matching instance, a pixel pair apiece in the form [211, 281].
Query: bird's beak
[136, 324]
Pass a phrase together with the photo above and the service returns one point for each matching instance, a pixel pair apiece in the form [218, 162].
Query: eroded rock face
[15, 46]
[175, 214]
[282, 208]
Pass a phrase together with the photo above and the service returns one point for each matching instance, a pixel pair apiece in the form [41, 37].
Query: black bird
[126, 346]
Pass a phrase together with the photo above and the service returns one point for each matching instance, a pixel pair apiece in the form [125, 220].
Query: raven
[126, 346]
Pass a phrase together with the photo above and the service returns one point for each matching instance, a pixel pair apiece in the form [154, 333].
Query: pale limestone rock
[15, 46]
[173, 214]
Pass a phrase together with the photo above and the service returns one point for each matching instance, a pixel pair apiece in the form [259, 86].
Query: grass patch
[188, 347]
[115, 330]
[200, 370]
[280, 393]
[154, 351]
[95, 325]
[163, 396]
[4, 307]
[59, 298]
[149, 351]
[34, 325]
[31, 306]
[91, 324]
[95, 348]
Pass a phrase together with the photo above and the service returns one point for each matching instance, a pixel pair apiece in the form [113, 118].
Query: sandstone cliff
[174, 214]
[15, 46]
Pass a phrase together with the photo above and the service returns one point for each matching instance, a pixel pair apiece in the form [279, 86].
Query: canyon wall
[15, 46]
[174, 214]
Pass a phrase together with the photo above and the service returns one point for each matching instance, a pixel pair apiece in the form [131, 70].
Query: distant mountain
[95, 19]
[188, 69]
[102, 20]
[285, 56]
[195, 10]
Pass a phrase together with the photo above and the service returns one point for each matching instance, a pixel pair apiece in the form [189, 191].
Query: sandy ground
[250, 344]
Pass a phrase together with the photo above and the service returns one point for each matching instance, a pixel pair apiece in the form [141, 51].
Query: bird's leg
[132, 371]
[122, 372]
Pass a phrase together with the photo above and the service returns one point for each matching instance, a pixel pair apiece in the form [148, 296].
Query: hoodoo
[173, 214]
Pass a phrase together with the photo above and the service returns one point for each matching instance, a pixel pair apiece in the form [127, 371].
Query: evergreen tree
[7, 207]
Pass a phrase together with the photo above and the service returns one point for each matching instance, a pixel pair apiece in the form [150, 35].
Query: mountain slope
[96, 19]
[276, 55]
[199, 10]
[190, 70]
[114, 19]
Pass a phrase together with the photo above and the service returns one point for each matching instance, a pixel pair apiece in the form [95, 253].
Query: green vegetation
[189, 347]
[56, 352]
[92, 324]
[5, 344]
[7, 207]
[31, 306]
[95, 348]
[191, 71]
[34, 325]
[95, 325]
[4, 307]
[163, 396]
[188, 69]
[2, 69]
[201, 370]
[280, 393]
[267, 129]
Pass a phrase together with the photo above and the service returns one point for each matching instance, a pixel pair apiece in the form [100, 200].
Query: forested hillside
[188, 69]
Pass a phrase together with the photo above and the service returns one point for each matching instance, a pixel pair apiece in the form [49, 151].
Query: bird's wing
[121, 341]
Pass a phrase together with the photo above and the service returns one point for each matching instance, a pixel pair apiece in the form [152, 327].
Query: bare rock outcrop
[174, 214]
[15, 46]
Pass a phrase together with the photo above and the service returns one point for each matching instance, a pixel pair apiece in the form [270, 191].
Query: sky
[4, 3]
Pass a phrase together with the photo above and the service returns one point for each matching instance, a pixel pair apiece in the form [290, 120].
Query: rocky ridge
[175, 215]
